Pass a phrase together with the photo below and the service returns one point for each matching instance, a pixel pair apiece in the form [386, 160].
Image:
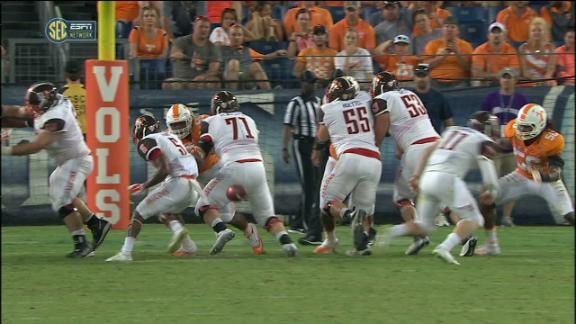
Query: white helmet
[531, 121]
[179, 120]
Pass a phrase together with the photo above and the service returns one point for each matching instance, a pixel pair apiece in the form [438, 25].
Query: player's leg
[363, 198]
[559, 201]
[65, 185]
[241, 222]
[464, 203]
[335, 187]
[262, 205]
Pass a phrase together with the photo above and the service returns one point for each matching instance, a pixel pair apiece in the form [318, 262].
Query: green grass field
[532, 282]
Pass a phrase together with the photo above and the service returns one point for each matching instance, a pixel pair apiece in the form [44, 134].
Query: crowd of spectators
[357, 38]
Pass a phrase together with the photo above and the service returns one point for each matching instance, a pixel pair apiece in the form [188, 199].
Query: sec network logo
[59, 30]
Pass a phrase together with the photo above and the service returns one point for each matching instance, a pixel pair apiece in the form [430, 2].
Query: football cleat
[176, 240]
[80, 251]
[120, 257]
[488, 249]
[359, 236]
[183, 253]
[310, 240]
[507, 221]
[419, 243]
[441, 221]
[291, 249]
[469, 247]
[222, 238]
[355, 252]
[372, 236]
[99, 232]
[326, 247]
[445, 255]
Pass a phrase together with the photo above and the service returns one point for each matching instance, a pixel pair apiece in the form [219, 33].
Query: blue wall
[24, 179]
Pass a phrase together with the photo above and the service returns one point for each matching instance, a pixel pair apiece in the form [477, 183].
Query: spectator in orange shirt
[303, 39]
[565, 55]
[241, 61]
[319, 16]
[366, 35]
[516, 18]
[400, 61]
[560, 17]
[449, 57]
[537, 57]
[214, 9]
[436, 14]
[493, 56]
[148, 41]
[318, 59]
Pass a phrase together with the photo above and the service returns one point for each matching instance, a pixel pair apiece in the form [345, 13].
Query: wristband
[6, 150]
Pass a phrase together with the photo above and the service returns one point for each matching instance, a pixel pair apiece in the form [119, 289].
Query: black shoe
[372, 236]
[100, 229]
[419, 243]
[360, 237]
[80, 251]
[469, 247]
[310, 240]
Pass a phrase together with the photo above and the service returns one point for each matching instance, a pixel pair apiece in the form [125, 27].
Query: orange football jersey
[535, 155]
[194, 138]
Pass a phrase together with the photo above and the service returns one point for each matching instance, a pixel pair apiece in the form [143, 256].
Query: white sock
[216, 221]
[331, 237]
[279, 234]
[128, 246]
[78, 232]
[451, 241]
[492, 238]
[188, 244]
[175, 226]
[398, 230]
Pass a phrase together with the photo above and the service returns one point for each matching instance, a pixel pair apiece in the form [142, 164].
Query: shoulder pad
[146, 146]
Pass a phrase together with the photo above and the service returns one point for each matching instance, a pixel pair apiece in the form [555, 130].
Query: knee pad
[271, 221]
[403, 203]
[66, 210]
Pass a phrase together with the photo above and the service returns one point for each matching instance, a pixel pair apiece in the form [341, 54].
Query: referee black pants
[308, 175]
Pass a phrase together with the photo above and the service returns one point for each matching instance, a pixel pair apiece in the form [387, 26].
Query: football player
[176, 175]
[407, 121]
[59, 134]
[234, 137]
[349, 124]
[182, 123]
[447, 162]
[538, 149]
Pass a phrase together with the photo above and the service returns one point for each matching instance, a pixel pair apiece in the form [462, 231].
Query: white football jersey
[457, 151]
[71, 144]
[180, 162]
[235, 136]
[409, 120]
[350, 123]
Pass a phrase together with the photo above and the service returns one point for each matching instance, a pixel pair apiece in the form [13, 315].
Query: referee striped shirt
[302, 116]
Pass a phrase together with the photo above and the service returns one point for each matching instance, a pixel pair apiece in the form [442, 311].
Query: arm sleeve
[289, 115]
[148, 149]
[379, 106]
[53, 125]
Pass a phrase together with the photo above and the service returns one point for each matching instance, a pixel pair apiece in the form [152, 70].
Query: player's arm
[16, 117]
[322, 140]
[150, 151]
[415, 180]
[554, 173]
[488, 150]
[381, 120]
[206, 142]
[51, 132]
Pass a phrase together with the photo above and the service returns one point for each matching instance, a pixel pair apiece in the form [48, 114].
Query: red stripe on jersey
[363, 152]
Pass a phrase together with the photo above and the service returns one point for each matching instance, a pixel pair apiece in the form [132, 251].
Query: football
[236, 193]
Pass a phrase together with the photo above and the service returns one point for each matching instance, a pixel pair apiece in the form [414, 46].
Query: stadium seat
[265, 47]
[469, 14]
[338, 13]
[474, 32]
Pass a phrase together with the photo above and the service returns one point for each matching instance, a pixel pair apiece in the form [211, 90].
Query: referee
[300, 123]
